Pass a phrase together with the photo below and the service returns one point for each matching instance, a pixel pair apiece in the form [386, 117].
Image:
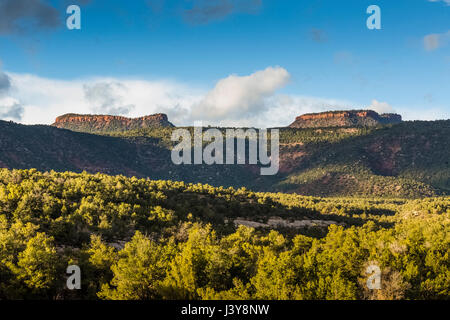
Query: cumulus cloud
[241, 101]
[381, 107]
[236, 96]
[5, 83]
[10, 108]
[44, 99]
[283, 109]
[435, 41]
[20, 15]
[436, 112]
[107, 98]
[204, 11]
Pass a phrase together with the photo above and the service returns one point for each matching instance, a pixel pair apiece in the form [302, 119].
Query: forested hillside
[143, 239]
[408, 160]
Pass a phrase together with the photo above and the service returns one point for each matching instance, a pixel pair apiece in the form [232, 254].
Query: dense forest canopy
[145, 239]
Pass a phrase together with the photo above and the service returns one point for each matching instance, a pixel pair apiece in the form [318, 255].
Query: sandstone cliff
[351, 118]
[108, 123]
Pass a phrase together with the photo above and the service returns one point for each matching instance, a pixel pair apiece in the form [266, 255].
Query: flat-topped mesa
[349, 118]
[108, 123]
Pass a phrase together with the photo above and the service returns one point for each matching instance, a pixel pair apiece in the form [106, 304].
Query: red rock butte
[349, 118]
[94, 123]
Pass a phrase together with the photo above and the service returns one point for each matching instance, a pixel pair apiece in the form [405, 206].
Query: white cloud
[431, 113]
[280, 111]
[234, 101]
[45, 99]
[5, 83]
[283, 109]
[249, 101]
[381, 107]
[10, 109]
[236, 96]
[435, 41]
[107, 98]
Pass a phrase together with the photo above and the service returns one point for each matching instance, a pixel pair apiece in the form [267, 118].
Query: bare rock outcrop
[108, 123]
[351, 118]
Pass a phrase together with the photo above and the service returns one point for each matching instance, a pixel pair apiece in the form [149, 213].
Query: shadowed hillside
[409, 159]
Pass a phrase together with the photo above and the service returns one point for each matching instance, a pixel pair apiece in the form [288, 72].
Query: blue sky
[314, 55]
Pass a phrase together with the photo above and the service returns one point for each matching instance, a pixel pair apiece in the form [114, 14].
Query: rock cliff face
[352, 118]
[107, 123]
